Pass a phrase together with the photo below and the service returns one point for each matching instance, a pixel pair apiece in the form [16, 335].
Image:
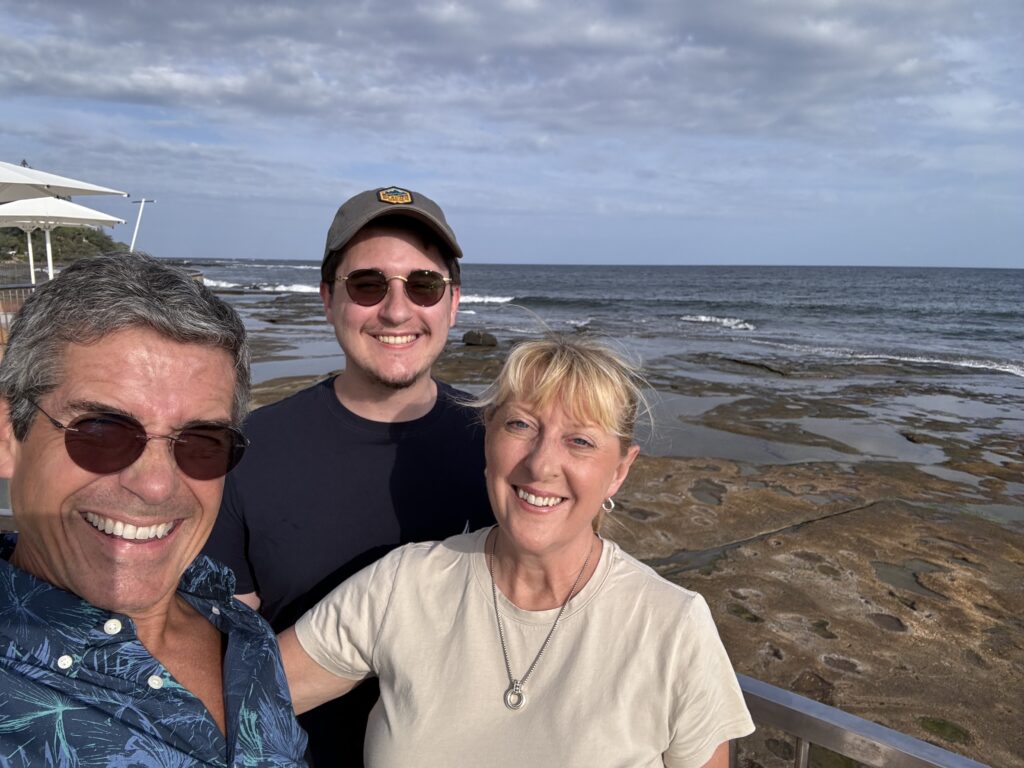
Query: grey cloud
[566, 69]
[549, 106]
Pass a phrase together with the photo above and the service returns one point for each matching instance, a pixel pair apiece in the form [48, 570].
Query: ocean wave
[293, 288]
[469, 298]
[1016, 369]
[733, 323]
[467, 311]
[1012, 367]
[219, 283]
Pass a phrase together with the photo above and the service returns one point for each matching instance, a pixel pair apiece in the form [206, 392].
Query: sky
[846, 132]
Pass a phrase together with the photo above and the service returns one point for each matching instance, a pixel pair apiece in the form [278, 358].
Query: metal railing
[11, 299]
[811, 723]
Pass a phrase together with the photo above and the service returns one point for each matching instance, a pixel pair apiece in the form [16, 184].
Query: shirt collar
[204, 578]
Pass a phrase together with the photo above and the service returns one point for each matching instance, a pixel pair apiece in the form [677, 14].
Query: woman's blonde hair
[593, 382]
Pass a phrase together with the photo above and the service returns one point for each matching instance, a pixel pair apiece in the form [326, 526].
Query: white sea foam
[733, 323]
[1012, 367]
[467, 312]
[293, 288]
[473, 299]
[1015, 369]
[218, 283]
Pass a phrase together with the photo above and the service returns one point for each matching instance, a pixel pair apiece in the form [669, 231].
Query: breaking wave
[733, 323]
[469, 298]
[293, 288]
[986, 365]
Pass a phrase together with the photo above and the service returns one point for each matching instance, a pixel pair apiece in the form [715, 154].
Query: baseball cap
[359, 210]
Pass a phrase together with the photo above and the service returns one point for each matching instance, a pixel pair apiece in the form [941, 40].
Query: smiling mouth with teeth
[404, 339]
[539, 501]
[127, 530]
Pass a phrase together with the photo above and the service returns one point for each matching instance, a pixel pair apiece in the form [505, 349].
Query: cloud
[553, 106]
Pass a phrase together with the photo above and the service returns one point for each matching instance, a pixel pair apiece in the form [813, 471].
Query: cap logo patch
[395, 196]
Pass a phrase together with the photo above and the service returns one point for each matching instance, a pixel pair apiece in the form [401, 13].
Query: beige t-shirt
[634, 676]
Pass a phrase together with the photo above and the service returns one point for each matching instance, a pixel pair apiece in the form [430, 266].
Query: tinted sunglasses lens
[366, 287]
[104, 444]
[109, 443]
[206, 452]
[425, 287]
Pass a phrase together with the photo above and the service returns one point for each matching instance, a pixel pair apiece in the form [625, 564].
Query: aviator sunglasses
[367, 287]
[105, 443]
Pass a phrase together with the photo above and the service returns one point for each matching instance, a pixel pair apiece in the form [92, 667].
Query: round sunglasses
[368, 287]
[105, 443]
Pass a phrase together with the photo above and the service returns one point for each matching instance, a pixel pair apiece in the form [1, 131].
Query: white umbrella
[47, 213]
[19, 183]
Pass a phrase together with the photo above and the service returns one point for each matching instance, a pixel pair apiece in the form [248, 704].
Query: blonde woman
[535, 642]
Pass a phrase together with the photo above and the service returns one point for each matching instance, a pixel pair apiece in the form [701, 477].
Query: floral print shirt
[77, 688]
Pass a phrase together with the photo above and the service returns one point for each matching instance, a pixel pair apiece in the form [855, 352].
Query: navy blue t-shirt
[322, 492]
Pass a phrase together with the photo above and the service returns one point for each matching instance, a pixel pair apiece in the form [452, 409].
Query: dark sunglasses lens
[104, 444]
[425, 287]
[205, 452]
[366, 287]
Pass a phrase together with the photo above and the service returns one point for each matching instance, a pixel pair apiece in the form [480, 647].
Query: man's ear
[327, 296]
[9, 446]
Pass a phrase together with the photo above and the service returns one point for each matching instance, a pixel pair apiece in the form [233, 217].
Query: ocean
[953, 321]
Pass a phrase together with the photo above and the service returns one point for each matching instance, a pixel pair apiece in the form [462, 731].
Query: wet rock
[945, 730]
[814, 686]
[809, 557]
[708, 492]
[742, 612]
[887, 622]
[479, 339]
[975, 659]
[770, 651]
[820, 628]
[840, 663]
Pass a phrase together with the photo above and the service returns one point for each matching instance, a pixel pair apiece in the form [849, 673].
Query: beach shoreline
[871, 564]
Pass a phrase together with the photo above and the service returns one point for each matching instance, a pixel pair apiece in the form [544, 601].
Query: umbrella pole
[49, 255]
[31, 259]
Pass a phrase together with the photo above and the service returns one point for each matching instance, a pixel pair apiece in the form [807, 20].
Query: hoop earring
[608, 505]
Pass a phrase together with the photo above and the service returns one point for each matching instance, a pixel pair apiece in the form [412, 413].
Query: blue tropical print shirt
[77, 688]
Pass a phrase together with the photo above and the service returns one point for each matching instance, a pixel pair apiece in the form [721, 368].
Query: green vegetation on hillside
[68, 243]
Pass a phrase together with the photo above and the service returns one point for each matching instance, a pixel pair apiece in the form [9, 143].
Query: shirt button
[65, 662]
[156, 682]
[112, 627]
[215, 610]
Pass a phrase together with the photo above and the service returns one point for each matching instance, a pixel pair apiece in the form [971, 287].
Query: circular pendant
[514, 696]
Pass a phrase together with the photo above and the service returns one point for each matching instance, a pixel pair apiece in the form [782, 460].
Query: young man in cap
[380, 455]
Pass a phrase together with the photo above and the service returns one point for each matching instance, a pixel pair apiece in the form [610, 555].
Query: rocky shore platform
[858, 534]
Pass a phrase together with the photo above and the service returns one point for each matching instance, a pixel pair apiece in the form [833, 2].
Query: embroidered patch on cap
[395, 196]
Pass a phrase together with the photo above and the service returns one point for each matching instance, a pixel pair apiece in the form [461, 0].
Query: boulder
[479, 339]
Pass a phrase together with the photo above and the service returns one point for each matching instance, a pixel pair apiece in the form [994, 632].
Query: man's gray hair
[97, 296]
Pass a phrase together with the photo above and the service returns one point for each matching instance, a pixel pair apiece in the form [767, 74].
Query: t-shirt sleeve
[227, 542]
[340, 632]
[709, 703]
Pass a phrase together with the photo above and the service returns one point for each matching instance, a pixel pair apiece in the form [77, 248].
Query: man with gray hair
[121, 389]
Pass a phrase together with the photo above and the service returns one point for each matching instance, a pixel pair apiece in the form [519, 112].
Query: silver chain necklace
[515, 697]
